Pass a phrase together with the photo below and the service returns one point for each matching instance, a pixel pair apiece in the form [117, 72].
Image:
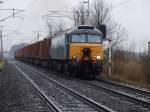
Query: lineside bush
[146, 67]
[130, 67]
[1, 64]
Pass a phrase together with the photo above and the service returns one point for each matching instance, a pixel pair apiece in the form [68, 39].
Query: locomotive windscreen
[86, 38]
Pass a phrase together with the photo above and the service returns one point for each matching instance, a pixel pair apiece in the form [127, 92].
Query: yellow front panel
[77, 48]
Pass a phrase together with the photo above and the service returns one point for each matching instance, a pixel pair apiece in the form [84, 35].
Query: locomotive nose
[86, 52]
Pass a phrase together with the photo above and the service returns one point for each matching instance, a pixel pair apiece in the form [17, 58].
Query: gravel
[64, 101]
[16, 95]
[132, 92]
[101, 97]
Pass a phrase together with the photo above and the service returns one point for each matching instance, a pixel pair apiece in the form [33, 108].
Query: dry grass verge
[130, 69]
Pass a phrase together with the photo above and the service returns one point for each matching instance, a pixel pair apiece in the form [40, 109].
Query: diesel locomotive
[77, 51]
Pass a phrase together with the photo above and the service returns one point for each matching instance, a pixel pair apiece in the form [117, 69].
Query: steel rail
[51, 105]
[83, 98]
[119, 93]
[124, 86]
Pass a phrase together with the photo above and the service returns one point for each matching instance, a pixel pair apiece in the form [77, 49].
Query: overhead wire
[63, 12]
[70, 4]
[28, 8]
[15, 12]
[10, 16]
[121, 3]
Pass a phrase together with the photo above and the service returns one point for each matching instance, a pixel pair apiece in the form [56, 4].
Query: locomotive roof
[84, 29]
[80, 30]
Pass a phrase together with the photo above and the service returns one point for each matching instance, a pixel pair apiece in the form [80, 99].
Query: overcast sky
[134, 16]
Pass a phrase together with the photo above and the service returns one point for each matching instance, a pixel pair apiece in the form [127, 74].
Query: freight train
[77, 51]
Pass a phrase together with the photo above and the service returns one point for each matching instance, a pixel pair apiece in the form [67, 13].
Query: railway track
[133, 89]
[140, 98]
[99, 99]
[94, 105]
[52, 106]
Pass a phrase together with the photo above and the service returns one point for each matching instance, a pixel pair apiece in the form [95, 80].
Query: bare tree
[79, 15]
[100, 13]
[119, 36]
[55, 27]
[59, 28]
[50, 27]
[146, 65]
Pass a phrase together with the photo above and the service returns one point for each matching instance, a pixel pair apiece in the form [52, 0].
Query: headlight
[78, 55]
[74, 56]
[98, 57]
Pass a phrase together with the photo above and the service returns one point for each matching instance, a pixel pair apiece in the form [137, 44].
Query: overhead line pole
[88, 3]
[88, 7]
[1, 57]
[38, 35]
[88, 10]
[110, 60]
[13, 12]
[1, 42]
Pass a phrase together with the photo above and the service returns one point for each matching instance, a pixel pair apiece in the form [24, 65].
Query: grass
[1, 64]
[128, 71]
[117, 78]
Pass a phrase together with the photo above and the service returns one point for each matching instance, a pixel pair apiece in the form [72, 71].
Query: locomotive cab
[85, 51]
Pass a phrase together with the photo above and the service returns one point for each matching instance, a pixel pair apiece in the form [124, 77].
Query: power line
[13, 15]
[63, 11]
[30, 6]
[70, 4]
[12, 9]
[121, 3]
